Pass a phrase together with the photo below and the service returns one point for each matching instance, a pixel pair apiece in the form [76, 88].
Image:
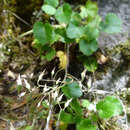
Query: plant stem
[20, 36]
[25, 34]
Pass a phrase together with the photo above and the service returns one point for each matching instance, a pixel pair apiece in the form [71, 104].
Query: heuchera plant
[81, 26]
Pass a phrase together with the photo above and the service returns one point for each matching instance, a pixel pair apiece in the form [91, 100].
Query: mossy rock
[115, 72]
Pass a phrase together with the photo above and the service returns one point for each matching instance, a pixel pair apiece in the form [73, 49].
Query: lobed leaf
[74, 31]
[50, 54]
[111, 24]
[92, 9]
[88, 48]
[83, 12]
[75, 18]
[49, 9]
[75, 105]
[66, 117]
[85, 124]
[63, 14]
[90, 63]
[63, 36]
[53, 3]
[85, 103]
[43, 33]
[109, 107]
[90, 32]
[72, 90]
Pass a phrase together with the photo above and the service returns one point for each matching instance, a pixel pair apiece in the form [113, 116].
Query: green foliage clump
[109, 107]
[82, 27]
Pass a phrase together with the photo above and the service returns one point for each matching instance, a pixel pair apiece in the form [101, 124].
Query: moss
[126, 50]
[25, 8]
[3, 57]
[118, 60]
[123, 48]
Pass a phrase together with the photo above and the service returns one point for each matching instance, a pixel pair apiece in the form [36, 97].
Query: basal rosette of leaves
[82, 27]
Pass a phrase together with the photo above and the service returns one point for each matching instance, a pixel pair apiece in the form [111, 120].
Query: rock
[115, 74]
[122, 9]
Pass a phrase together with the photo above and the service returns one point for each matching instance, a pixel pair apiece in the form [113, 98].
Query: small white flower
[24, 76]
[41, 75]
[67, 103]
[89, 83]
[92, 107]
[19, 80]
[55, 94]
[80, 84]
[53, 72]
[27, 85]
[59, 98]
[47, 102]
[12, 127]
[38, 105]
[21, 94]
[45, 88]
[31, 75]
[11, 74]
[83, 74]
[57, 81]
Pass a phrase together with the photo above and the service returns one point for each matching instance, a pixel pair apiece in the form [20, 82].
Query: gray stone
[122, 9]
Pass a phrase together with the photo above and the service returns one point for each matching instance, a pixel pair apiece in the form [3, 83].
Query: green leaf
[85, 124]
[37, 44]
[44, 48]
[55, 37]
[90, 63]
[50, 54]
[19, 88]
[83, 13]
[89, 11]
[66, 118]
[53, 3]
[50, 35]
[62, 35]
[44, 104]
[85, 103]
[39, 31]
[88, 48]
[43, 33]
[75, 18]
[92, 9]
[29, 128]
[72, 90]
[63, 14]
[94, 117]
[77, 118]
[74, 31]
[111, 24]
[49, 9]
[63, 126]
[95, 23]
[91, 32]
[109, 107]
[75, 105]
